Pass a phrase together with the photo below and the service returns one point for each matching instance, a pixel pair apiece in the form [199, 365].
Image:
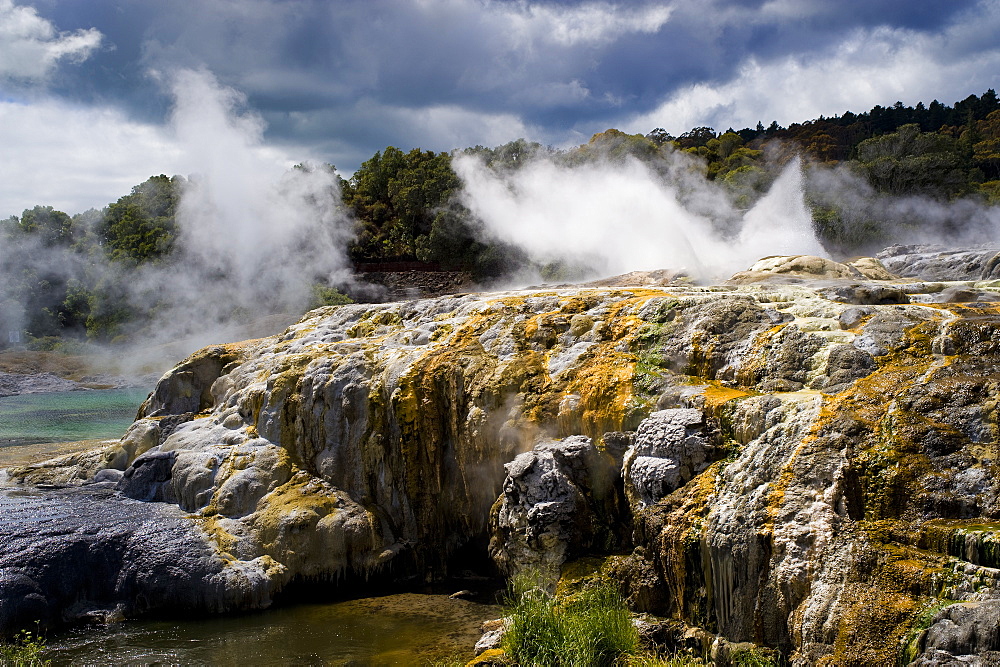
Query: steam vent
[804, 458]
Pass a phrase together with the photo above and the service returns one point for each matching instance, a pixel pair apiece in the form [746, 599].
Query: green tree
[110, 311]
[394, 197]
[512, 155]
[986, 149]
[50, 227]
[614, 145]
[909, 161]
[141, 226]
[696, 137]
[659, 136]
[746, 184]
[39, 273]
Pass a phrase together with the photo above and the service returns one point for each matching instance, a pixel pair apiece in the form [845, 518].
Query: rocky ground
[32, 372]
[802, 459]
[12, 384]
[400, 285]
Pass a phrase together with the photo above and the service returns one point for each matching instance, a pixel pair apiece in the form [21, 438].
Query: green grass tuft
[592, 628]
[25, 651]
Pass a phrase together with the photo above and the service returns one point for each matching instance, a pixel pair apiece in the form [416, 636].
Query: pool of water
[67, 415]
[402, 629]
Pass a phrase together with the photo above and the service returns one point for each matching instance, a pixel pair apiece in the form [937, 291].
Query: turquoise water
[66, 416]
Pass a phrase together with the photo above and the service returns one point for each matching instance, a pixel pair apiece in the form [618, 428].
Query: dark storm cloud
[547, 62]
[344, 79]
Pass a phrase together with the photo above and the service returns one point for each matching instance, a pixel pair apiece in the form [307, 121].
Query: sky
[89, 90]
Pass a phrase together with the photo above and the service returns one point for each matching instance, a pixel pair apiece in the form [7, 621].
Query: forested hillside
[65, 274]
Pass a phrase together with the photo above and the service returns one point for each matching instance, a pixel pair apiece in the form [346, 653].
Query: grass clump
[680, 659]
[25, 651]
[590, 628]
[327, 296]
[752, 658]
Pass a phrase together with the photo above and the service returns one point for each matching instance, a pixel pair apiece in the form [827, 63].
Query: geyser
[626, 216]
[253, 233]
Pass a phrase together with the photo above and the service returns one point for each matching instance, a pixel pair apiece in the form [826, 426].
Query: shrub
[327, 296]
[752, 658]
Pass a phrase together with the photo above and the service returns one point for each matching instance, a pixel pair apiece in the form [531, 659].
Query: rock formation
[808, 464]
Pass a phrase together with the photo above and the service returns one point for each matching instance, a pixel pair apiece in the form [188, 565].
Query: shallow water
[402, 629]
[67, 415]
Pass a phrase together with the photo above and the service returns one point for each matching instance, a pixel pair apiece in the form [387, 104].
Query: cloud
[348, 78]
[30, 46]
[864, 68]
[588, 24]
[75, 158]
[504, 57]
[437, 127]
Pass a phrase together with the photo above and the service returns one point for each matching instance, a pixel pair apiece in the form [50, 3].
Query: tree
[986, 150]
[38, 273]
[728, 144]
[746, 184]
[512, 155]
[141, 226]
[394, 196]
[50, 227]
[659, 136]
[615, 146]
[698, 136]
[909, 161]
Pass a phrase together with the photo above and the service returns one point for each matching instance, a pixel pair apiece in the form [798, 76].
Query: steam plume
[253, 235]
[627, 216]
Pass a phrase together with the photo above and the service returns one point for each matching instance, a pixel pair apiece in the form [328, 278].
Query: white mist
[621, 217]
[780, 223]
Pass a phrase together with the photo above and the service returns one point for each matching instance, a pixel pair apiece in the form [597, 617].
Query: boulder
[670, 448]
[86, 552]
[963, 633]
[149, 478]
[796, 268]
[871, 268]
[558, 501]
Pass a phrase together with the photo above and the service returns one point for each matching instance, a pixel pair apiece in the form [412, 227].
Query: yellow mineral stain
[717, 394]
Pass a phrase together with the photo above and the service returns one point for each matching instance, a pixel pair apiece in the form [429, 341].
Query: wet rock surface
[89, 554]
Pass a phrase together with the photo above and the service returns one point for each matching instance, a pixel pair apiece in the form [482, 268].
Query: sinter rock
[89, 554]
[934, 262]
[967, 633]
[558, 500]
[370, 443]
[670, 448]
